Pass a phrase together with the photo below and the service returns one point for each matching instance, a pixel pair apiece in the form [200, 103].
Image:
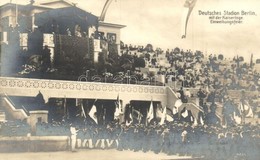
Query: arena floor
[91, 154]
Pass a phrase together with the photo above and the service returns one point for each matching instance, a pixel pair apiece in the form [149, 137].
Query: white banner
[48, 40]
[97, 45]
[23, 39]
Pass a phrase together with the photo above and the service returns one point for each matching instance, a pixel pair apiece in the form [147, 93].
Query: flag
[201, 120]
[163, 118]
[169, 118]
[195, 110]
[150, 114]
[169, 115]
[129, 122]
[118, 109]
[185, 113]
[175, 110]
[178, 103]
[93, 113]
[82, 110]
[188, 5]
[137, 115]
[195, 122]
[159, 112]
[79, 102]
[236, 118]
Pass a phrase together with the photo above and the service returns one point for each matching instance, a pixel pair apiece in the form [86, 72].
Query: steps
[2, 112]
[9, 112]
[2, 116]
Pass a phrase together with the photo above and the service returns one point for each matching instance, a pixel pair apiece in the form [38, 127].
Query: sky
[159, 22]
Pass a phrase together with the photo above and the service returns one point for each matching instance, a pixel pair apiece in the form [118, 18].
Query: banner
[3, 37]
[23, 39]
[97, 45]
[48, 40]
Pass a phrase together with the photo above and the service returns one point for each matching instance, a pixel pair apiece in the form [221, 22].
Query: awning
[66, 18]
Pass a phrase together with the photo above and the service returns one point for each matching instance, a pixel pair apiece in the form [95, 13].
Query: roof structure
[68, 16]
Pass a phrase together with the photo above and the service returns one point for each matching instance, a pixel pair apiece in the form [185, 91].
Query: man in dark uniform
[182, 97]
[201, 95]
[46, 58]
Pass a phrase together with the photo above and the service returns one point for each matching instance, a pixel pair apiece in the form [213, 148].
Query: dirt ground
[91, 155]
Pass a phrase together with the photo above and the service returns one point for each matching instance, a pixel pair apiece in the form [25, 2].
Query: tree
[220, 57]
[149, 48]
[176, 50]
[126, 62]
[241, 58]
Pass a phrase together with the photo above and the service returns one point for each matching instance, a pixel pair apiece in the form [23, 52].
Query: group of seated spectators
[213, 75]
[216, 76]
[196, 69]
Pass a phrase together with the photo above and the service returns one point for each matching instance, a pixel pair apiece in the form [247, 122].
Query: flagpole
[65, 107]
[104, 114]
[83, 111]
[16, 13]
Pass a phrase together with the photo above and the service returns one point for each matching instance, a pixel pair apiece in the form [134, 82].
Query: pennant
[188, 5]
[201, 120]
[169, 118]
[104, 11]
[178, 103]
[169, 115]
[104, 114]
[93, 113]
[191, 118]
[137, 115]
[150, 114]
[163, 118]
[83, 111]
[175, 110]
[128, 123]
[118, 109]
[195, 122]
[185, 114]
[237, 118]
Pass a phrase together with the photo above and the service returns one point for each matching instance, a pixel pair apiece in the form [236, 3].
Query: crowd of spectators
[195, 69]
[213, 75]
[213, 79]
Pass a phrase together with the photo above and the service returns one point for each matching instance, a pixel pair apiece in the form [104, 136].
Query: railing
[26, 111]
[195, 110]
[186, 103]
[21, 113]
[41, 84]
